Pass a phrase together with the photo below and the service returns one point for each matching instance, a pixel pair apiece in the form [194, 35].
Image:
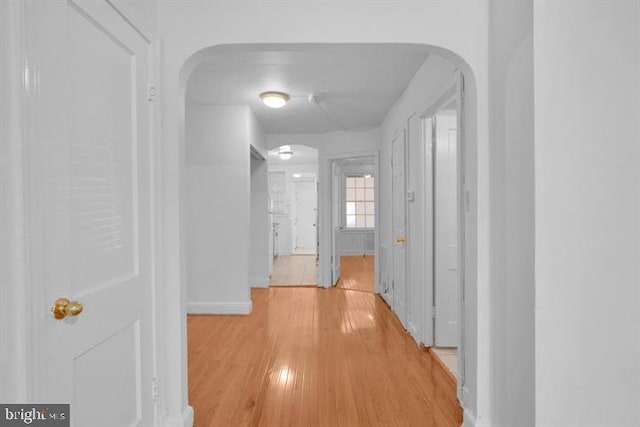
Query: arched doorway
[471, 234]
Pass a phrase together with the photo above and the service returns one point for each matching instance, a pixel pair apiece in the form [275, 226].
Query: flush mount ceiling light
[297, 175]
[274, 99]
[285, 152]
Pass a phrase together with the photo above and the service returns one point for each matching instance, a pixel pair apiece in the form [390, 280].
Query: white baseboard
[413, 331]
[259, 282]
[357, 252]
[186, 420]
[219, 307]
[469, 420]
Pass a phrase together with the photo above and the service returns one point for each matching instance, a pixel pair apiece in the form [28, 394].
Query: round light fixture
[274, 99]
[285, 152]
[297, 175]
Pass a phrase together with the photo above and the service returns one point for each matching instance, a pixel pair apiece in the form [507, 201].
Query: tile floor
[294, 270]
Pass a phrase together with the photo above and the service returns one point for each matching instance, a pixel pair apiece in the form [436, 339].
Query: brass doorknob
[400, 240]
[63, 308]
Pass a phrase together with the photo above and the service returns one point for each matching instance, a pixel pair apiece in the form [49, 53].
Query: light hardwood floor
[314, 357]
[357, 273]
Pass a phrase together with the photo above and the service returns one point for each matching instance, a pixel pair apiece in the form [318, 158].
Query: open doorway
[348, 142]
[293, 215]
[446, 289]
[440, 215]
[353, 218]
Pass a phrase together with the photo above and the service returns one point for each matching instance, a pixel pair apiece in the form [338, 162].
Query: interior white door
[305, 225]
[90, 195]
[399, 223]
[446, 286]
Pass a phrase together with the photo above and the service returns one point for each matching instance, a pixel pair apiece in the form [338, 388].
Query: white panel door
[305, 221]
[90, 210]
[399, 224]
[446, 286]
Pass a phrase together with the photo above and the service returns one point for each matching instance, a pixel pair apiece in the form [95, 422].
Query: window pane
[368, 182]
[359, 202]
[370, 220]
[369, 194]
[370, 208]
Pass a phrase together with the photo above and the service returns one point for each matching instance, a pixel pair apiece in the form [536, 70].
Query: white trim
[186, 420]
[469, 420]
[16, 332]
[347, 252]
[262, 282]
[219, 307]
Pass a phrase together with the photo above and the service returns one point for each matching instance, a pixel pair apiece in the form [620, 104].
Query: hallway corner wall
[512, 284]
[260, 263]
[587, 212]
[217, 209]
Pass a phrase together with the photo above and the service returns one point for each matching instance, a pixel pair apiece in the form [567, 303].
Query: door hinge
[155, 389]
[433, 311]
[151, 93]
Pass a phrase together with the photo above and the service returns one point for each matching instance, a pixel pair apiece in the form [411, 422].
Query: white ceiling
[357, 84]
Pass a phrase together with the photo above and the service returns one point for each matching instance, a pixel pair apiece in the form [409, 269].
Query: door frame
[15, 285]
[325, 212]
[402, 314]
[21, 319]
[452, 89]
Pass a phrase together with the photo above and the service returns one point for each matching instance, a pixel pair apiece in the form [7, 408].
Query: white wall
[329, 143]
[217, 209]
[512, 207]
[587, 213]
[259, 258]
[356, 242]
[456, 29]
[259, 265]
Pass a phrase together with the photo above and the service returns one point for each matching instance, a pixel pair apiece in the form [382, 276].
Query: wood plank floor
[314, 357]
[357, 273]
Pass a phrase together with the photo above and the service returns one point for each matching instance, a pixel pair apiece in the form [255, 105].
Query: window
[360, 202]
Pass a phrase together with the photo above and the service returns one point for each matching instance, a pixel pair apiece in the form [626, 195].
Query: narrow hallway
[314, 357]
